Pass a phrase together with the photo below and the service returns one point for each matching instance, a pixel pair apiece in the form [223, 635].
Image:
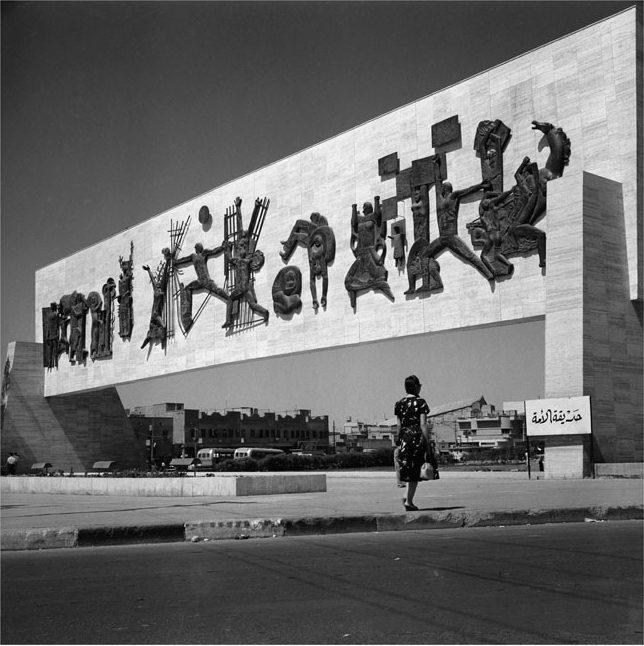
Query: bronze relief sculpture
[102, 321]
[242, 260]
[506, 223]
[157, 329]
[74, 308]
[398, 239]
[51, 335]
[287, 290]
[370, 249]
[199, 260]
[318, 238]
[124, 298]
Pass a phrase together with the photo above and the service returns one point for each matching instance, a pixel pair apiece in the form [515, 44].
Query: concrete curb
[38, 539]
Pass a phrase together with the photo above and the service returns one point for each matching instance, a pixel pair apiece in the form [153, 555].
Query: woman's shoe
[409, 507]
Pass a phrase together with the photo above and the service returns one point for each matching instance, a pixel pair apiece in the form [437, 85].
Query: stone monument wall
[584, 83]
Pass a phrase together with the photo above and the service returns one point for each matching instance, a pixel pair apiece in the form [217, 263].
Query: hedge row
[291, 462]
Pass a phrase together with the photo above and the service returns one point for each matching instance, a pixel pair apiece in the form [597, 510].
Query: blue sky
[113, 112]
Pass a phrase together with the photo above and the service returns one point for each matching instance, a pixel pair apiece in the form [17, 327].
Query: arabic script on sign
[552, 416]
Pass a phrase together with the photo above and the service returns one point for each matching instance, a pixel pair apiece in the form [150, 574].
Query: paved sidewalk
[354, 501]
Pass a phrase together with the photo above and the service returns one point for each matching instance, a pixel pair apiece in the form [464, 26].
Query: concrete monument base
[229, 484]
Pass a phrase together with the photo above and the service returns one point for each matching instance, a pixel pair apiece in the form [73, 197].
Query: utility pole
[151, 445]
[333, 436]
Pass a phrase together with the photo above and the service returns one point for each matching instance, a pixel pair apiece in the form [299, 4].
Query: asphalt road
[554, 584]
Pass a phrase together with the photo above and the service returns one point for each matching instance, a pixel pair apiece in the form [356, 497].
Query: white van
[255, 454]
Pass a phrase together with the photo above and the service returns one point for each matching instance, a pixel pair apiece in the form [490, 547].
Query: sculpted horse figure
[559, 157]
[506, 225]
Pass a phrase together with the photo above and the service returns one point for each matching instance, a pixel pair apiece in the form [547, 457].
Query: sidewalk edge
[68, 537]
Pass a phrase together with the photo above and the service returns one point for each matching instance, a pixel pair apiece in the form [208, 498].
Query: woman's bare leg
[411, 492]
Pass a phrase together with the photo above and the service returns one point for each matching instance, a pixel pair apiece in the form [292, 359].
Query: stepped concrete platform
[355, 501]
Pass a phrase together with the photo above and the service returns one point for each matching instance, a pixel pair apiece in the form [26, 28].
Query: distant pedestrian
[12, 461]
[413, 438]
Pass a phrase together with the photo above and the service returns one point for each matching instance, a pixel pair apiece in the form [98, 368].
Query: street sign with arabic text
[562, 416]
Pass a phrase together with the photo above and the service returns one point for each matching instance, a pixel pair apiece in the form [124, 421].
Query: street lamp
[151, 443]
[194, 439]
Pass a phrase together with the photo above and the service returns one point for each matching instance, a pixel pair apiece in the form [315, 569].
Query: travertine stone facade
[588, 83]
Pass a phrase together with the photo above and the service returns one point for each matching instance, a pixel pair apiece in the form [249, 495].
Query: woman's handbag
[428, 472]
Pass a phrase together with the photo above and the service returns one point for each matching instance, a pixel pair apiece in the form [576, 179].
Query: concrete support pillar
[69, 431]
[593, 331]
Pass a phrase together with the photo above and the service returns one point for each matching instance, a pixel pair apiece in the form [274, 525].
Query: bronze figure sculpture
[422, 256]
[448, 202]
[319, 239]
[77, 316]
[199, 260]
[369, 248]
[287, 289]
[242, 260]
[109, 296]
[490, 142]
[124, 298]
[419, 264]
[98, 321]
[50, 335]
[398, 244]
[506, 223]
[157, 330]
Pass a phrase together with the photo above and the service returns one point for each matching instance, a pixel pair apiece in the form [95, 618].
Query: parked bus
[254, 453]
[209, 457]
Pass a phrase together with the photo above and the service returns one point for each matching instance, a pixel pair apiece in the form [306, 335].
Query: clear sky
[113, 112]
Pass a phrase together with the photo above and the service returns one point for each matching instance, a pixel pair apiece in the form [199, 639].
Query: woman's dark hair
[412, 385]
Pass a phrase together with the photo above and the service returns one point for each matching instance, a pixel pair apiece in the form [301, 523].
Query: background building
[177, 430]
[457, 426]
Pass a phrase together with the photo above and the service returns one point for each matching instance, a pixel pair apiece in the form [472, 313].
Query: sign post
[566, 421]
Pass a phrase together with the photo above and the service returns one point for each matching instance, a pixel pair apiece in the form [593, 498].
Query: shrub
[278, 462]
[243, 464]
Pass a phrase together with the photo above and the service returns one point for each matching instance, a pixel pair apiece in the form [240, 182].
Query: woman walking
[413, 438]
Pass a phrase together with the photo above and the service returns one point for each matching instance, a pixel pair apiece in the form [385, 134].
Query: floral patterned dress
[412, 445]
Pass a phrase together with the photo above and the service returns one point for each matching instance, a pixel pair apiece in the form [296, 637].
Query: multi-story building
[191, 429]
[462, 424]
[361, 435]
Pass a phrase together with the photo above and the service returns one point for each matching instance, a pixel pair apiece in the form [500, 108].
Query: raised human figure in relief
[51, 334]
[490, 142]
[420, 212]
[448, 202]
[98, 321]
[245, 260]
[398, 243]
[77, 317]
[319, 239]
[369, 248]
[199, 260]
[157, 330]
[124, 297]
[506, 223]
[109, 296]
[419, 263]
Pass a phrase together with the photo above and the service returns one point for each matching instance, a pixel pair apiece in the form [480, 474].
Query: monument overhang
[585, 84]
